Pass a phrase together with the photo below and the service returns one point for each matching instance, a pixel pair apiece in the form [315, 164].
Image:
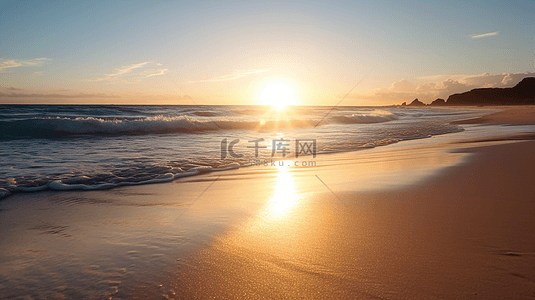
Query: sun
[278, 95]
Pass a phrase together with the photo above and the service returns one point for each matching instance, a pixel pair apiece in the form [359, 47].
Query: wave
[204, 113]
[54, 127]
[87, 183]
[376, 116]
[65, 126]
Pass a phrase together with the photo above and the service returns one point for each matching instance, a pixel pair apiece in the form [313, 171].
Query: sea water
[87, 147]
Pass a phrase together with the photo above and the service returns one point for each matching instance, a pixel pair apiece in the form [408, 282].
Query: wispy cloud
[152, 72]
[7, 64]
[121, 71]
[478, 36]
[127, 73]
[52, 95]
[14, 63]
[12, 88]
[232, 76]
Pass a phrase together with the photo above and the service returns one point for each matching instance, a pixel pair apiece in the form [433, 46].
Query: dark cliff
[522, 93]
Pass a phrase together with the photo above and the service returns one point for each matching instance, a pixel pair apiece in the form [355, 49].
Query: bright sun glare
[278, 94]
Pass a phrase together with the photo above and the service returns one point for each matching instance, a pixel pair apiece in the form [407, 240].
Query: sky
[230, 52]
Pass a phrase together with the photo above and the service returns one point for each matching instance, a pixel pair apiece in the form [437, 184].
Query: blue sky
[225, 52]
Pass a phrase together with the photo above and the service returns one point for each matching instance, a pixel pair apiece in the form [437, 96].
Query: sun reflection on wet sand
[284, 196]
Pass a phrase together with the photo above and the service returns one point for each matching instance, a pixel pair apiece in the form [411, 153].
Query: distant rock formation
[522, 93]
[438, 102]
[404, 104]
[416, 102]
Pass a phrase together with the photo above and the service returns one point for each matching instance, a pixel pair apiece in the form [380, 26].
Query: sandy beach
[437, 218]
[466, 234]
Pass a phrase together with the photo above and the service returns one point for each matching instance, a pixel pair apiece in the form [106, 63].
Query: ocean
[90, 147]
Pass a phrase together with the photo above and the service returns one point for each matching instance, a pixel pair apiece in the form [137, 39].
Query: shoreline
[510, 115]
[57, 185]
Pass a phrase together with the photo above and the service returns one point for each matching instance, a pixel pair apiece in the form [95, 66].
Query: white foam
[155, 124]
[228, 167]
[376, 116]
[61, 186]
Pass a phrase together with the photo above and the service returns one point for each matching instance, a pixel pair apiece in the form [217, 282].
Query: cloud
[121, 71]
[14, 89]
[126, 73]
[79, 95]
[232, 76]
[12, 92]
[152, 72]
[478, 36]
[430, 88]
[14, 63]
[7, 64]
[403, 85]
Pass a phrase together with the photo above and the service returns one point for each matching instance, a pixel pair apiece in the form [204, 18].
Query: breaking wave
[376, 116]
[53, 127]
[63, 126]
[97, 182]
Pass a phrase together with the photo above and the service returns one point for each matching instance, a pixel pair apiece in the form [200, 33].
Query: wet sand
[512, 115]
[468, 234]
[438, 218]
